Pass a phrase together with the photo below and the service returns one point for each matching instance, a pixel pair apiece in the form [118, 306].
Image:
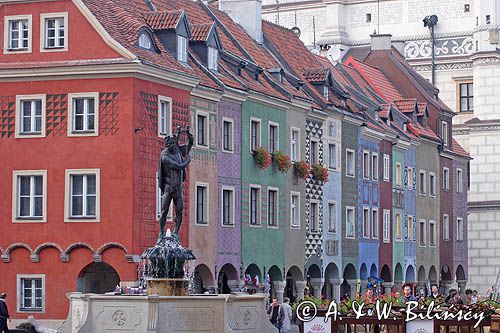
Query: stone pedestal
[301, 286]
[461, 286]
[317, 284]
[167, 287]
[388, 287]
[353, 283]
[279, 289]
[336, 289]
[234, 285]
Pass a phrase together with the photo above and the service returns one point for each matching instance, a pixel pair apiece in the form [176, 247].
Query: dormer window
[444, 132]
[213, 57]
[145, 41]
[182, 48]
[325, 92]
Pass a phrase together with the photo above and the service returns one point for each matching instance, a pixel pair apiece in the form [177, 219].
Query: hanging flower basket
[262, 158]
[320, 172]
[282, 161]
[302, 169]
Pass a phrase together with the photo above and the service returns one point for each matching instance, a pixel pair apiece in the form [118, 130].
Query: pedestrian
[434, 292]
[287, 316]
[474, 298]
[407, 294]
[275, 313]
[369, 296]
[4, 314]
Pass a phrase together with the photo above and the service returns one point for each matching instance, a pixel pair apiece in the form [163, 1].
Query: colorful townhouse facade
[102, 117]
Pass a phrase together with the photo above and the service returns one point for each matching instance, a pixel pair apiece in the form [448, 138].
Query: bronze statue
[171, 174]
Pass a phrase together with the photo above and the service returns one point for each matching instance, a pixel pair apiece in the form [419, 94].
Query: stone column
[461, 286]
[388, 287]
[279, 289]
[335, 288]
[363, 285]
[300, 286]
[317, 284]
[353, 284]
[446, 287]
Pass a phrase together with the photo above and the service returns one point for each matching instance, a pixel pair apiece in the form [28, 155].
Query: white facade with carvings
[467, 58]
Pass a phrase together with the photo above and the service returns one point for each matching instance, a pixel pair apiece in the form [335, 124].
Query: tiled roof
[421, 131]
[199, 32]
[406, 105]
[163, 20]
[315, 75]
[384, 113]
[457, 148]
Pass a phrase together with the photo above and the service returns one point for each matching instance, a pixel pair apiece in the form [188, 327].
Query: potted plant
[283, 161]
[302, 169]
[320, 172]
[262, 158]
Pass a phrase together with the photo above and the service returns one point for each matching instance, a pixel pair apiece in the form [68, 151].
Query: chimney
[247, 13]
[380, 42]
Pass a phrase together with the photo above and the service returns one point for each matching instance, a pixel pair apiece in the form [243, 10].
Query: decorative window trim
[375, 226]
[385, 213]
[338, 148]
[318, 229]
[231, 138]
[6, 30]
[277, 215]
[43, 17]
[400, 174]
[71, 111]
[422, 188]
[297, 143]
[460, 231]
[67, 195]
[363, 166]
[353, 209]
[401, 236]
[328, 230]
[388, 175]
[207, 208]
[169, 116]
[18, 120]
[277, 137]
[15, 195]
[366, 233]
[424, 243]
[19, 277]
[446, 180]
[259, 135]
[432, 184]
[410, 182]
[207, 129]
[353, 175]
[297, 226]
[412, 218]
[311, 140]
[259, 205]
[233, 199]
[446, 237]
[460, 180]
[375, 172]
[444, 135]
[433, 222]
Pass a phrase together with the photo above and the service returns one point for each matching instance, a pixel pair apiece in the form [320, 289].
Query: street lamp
[429, 22]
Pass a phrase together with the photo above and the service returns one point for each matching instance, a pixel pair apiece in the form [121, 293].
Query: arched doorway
[373, 270]
[398, 277]
[203, 280]
[97, 278]
[293, 275]
[348, 287]
[433, 275]
[385, 274]
[313, 277]
[331, 291]
[274, 276]
[460, 278]
[410, 274]
[421, 277]
[227, 273]
[252, 276]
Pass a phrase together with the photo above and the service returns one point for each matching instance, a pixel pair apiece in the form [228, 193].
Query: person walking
[287, 316]
[4, 314]
[276, 314]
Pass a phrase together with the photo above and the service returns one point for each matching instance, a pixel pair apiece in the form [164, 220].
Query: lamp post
[429, 22]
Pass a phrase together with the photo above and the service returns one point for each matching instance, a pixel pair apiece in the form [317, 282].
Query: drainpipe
[430, 22]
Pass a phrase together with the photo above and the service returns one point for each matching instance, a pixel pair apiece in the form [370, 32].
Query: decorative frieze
[444, 47]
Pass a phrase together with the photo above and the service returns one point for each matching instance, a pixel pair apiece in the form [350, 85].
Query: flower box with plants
[262, 158]
[320, 172]
[282, 161]
[302, 169]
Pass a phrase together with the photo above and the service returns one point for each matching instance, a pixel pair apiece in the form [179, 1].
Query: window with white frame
[446, 179]
[350, 162]
[83, 192]
[409, 182]
[182, 48]
[84, 114]
[213, 58]
[274, 145]
[30, 116]
[374, 222]
[460, 181]
[432, 233]
[30, 293]
[164, 116]
[55, 28]
[460, 229]
[399, 174]
[254, 133]
[366, 222]
[332, 217]
[295, 210]
[387, 226]
[272, 207]
[254, 205]
[366, 164]
[159, 195]
[446, 227]
[227, 135]
[29, 196]
[202, 129]
[313, 152]
[422, 182]
[201, 204]
[422, 234]
[332, 155]
[145, 41]
[387, 167]
[332, 129]
[313, 217]
[17, 33]
[374, 166]
[399, 227]
[350, 231]
[411, 235]
[294, 144]
[227, 206]
[325, 92]
[444, 132]
[432, 184]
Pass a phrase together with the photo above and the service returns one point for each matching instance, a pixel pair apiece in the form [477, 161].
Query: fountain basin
[167, 287]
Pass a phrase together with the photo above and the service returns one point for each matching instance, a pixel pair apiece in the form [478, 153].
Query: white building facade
[467, 73]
